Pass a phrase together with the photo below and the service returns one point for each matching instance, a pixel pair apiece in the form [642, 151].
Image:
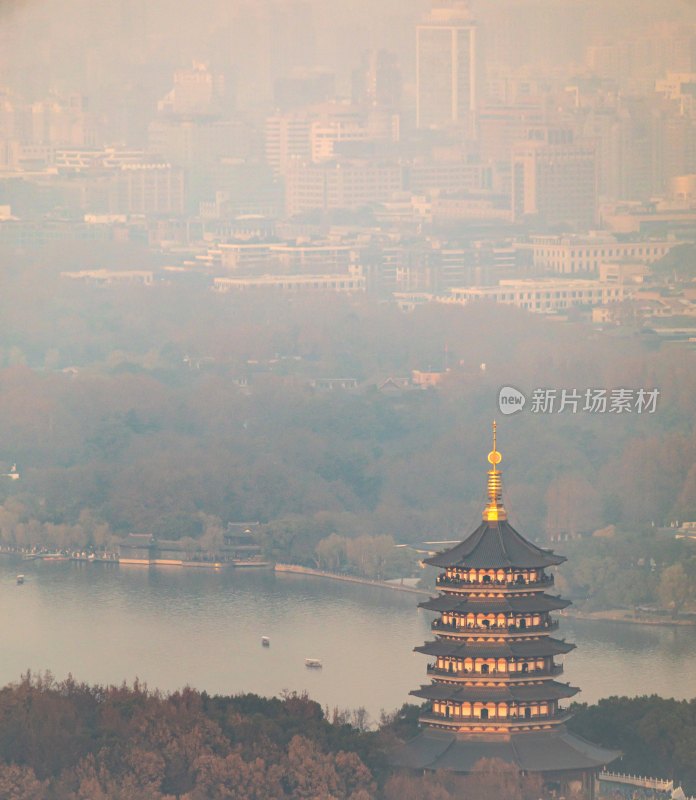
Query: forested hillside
[174, 410]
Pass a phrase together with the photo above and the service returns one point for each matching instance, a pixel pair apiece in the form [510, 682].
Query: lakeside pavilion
[494, 690]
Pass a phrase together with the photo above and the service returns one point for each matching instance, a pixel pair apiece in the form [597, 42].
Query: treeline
[71, 741]
[376, 557]
[173, 410]
[656, 735]
[629, 570]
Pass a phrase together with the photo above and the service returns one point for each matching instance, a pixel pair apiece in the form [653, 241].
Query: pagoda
[494, 688]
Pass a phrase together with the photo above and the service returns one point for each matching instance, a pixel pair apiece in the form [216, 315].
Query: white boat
[265, 641]
[20, 580]
[313, 663]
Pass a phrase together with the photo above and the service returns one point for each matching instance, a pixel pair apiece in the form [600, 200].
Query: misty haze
[347, 400]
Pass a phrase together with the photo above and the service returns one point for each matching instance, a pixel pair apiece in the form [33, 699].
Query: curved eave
[539, 602]
[514, 649]
[495, 545]
[547, 690]
[544, 751]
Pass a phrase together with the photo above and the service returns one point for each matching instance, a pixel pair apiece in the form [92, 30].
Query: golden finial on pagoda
[494, 510]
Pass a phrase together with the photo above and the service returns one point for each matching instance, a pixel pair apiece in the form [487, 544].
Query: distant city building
[196, 91]
[240, 548]
[378, 81]
[55, 120]
[463, 206]
[554, 181]
[304, 257]
[426, 379]
[344, 183]
[334, 384]
[571, 254]
[352, 281]
[444, 174]
[303, 86]
[635, 63]
[243, 256]
[101, 186]
[501, 126]
[622, 272]
[287, 137]
[317, 133]
[198, 142]
[542, 295]
[336, 124]
[650, 219]
[146, 189]
[446, 66]
[111, 277]
[682, 188]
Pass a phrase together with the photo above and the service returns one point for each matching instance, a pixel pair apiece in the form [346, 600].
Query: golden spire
[494, 510]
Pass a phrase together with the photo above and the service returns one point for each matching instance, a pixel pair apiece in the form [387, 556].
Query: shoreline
[606, 615]
[296, 569]
[136, 562]
[618, 616]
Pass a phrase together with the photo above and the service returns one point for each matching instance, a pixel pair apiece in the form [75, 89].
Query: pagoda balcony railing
[515, 719]
[432, 669]
[444, 580]
[439, 625]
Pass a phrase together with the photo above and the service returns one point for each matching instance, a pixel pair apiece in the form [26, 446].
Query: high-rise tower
[494, 690]
[446, 67]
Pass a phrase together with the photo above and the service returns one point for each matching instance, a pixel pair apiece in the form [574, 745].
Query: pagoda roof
[526, 648]
[524, 692]
[494, 544]
[543, 751]
[463, 605]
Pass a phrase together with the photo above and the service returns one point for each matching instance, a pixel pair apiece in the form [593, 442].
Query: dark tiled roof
[546, 646]
[548, 690]
[463, 605]
[551, 751]
[493, 545]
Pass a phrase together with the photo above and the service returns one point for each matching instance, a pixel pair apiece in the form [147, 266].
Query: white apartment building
[352, 281]
[542, 296]
[577, 254]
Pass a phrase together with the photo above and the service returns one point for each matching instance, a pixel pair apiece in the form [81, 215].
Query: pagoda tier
[475, 604]
[510, 648]
[494, 692]
[498, 692]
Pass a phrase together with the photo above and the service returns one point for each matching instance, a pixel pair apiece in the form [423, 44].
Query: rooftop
[495, 543]
[528, 692]
[534, 752]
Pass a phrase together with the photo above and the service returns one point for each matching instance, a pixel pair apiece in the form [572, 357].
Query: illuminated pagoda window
[495, 686]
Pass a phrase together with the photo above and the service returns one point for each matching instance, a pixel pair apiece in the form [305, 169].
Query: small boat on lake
[265, 641]
[312, 663]
[20, 580]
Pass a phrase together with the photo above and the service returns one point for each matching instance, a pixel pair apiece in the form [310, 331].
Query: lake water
[172, 627]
